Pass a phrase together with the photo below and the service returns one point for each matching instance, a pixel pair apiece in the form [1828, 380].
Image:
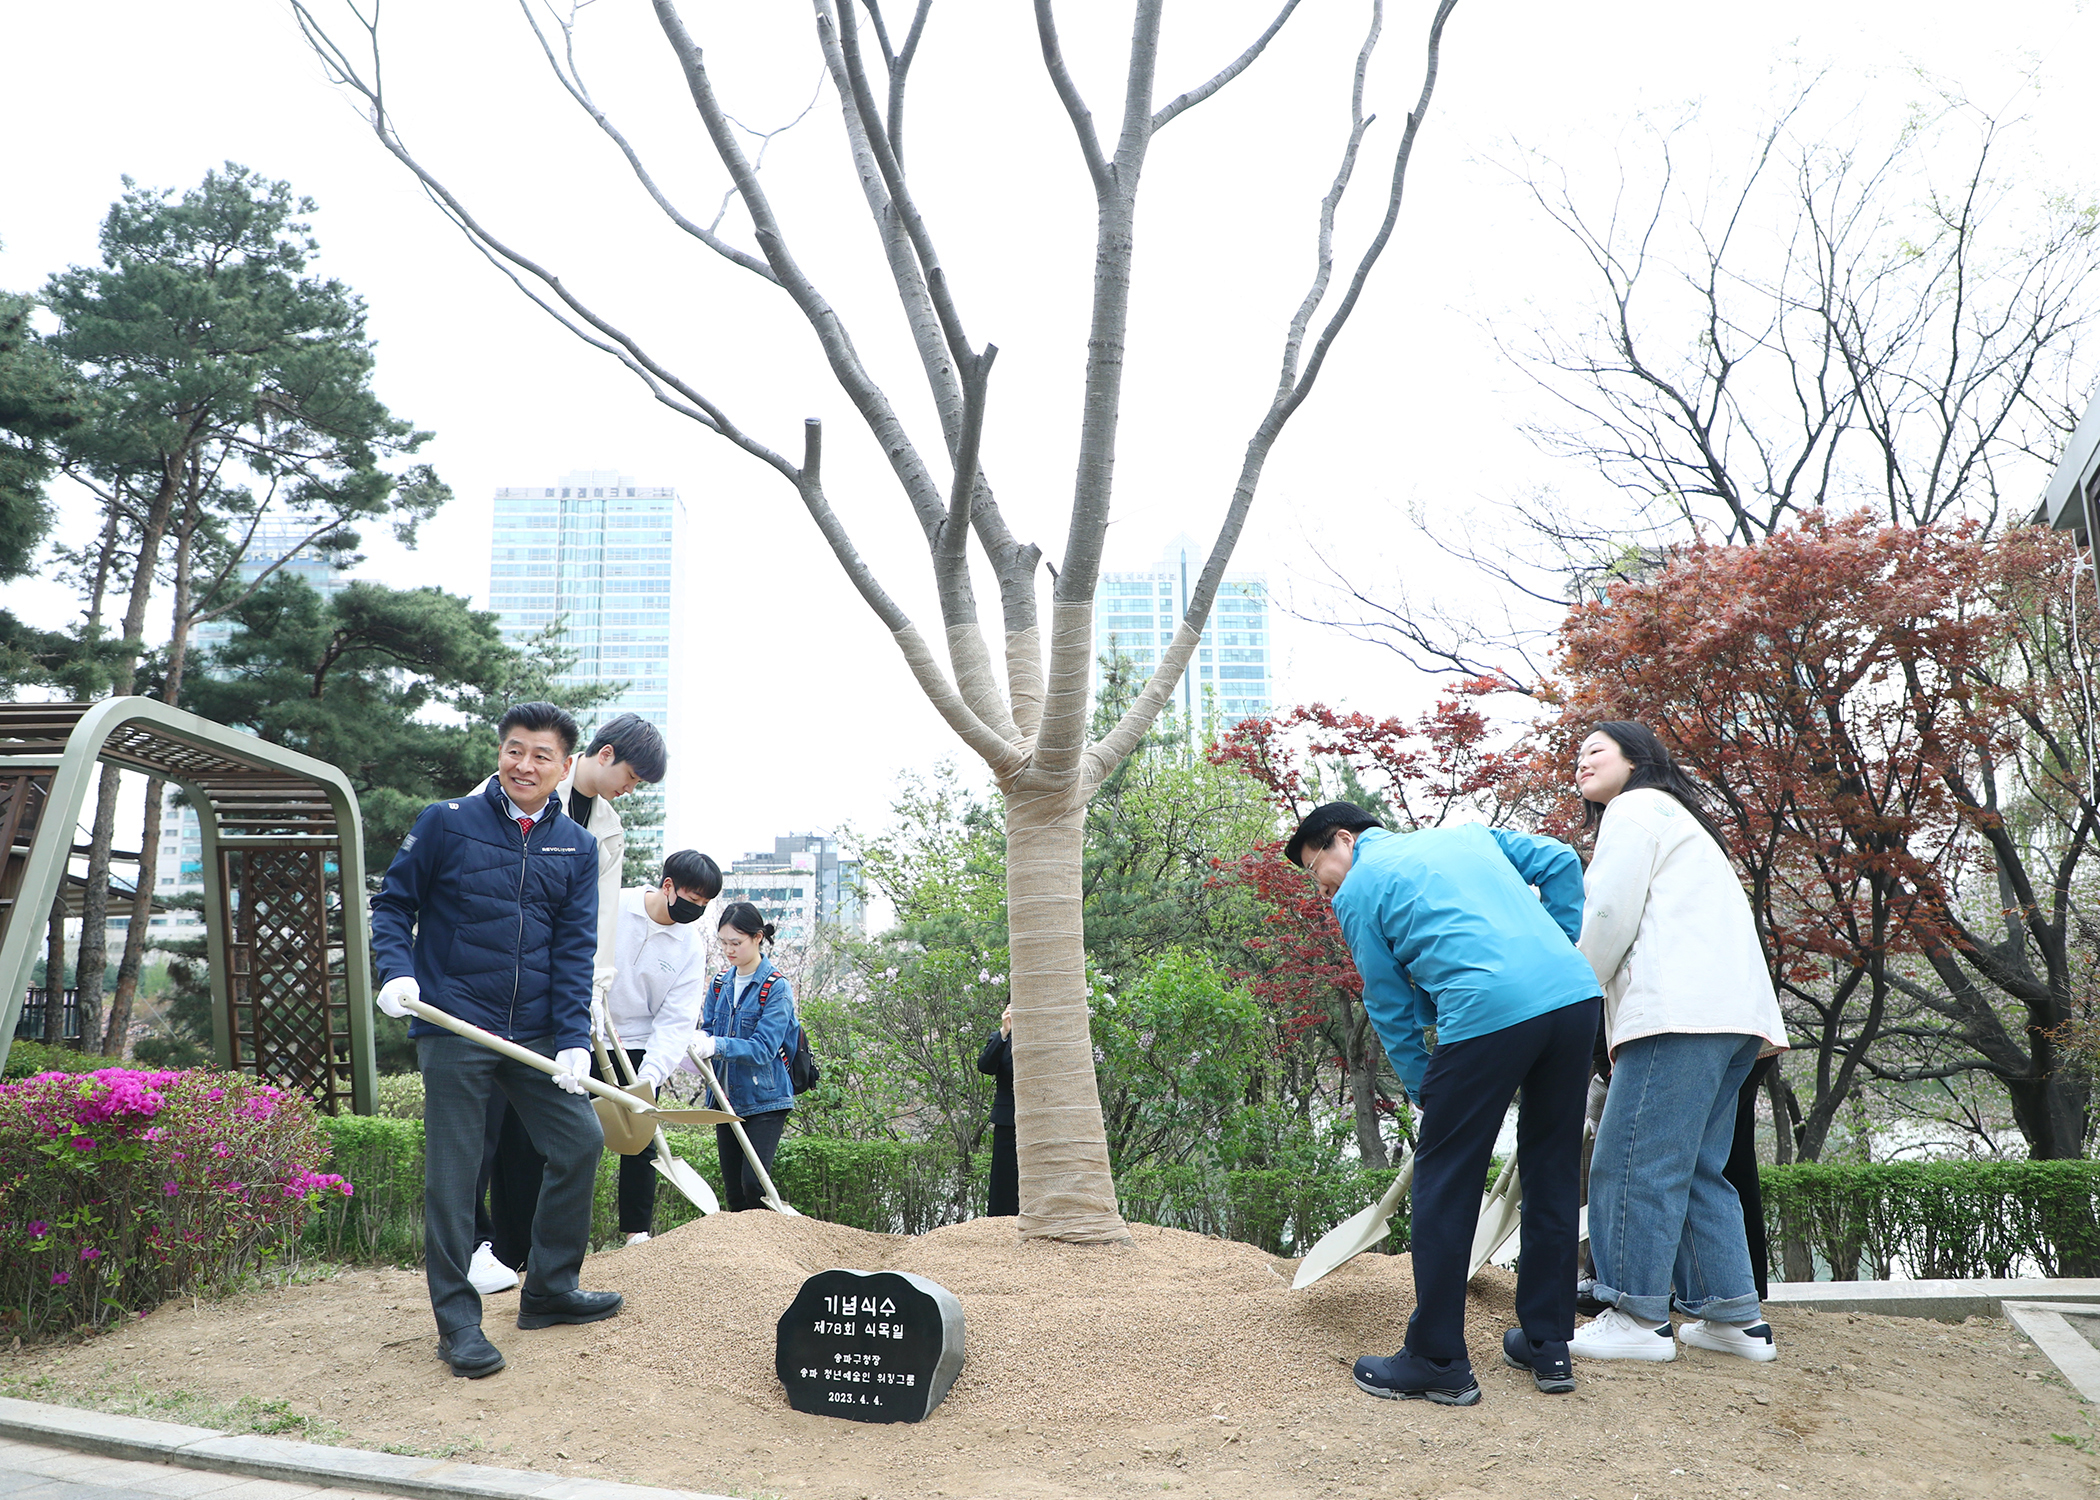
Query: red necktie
[525, 827]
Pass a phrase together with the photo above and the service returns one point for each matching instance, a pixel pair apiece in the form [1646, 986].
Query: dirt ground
[1184, 1363]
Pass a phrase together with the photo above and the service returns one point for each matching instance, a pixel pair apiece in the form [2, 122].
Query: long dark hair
[1652, 767]
[745, 918]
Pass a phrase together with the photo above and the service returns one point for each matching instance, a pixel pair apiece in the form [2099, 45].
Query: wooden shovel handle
[525, 1055]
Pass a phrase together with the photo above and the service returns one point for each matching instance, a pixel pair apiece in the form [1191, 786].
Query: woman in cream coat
[1688, 1010]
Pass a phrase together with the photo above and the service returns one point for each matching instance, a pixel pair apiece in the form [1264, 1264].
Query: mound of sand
[1179, 1362]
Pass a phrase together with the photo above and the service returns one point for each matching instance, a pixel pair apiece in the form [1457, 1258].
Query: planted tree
[1032, 730]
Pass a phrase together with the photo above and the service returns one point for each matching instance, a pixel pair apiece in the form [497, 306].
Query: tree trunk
[116, 1041]
[1361, 1059]
[2051, 1113]
[1067, 1190]
[1795, 1261]
[55, 971]
[94, 944]
[94, 910]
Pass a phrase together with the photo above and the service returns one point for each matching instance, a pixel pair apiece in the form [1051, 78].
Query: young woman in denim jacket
[744, 1038]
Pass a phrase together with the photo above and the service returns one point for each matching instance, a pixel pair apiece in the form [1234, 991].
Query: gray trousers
[459, 1077]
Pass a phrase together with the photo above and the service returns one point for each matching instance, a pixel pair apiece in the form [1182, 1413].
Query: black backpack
[803, 1072]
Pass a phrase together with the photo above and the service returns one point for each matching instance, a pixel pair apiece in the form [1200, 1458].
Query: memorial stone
[870, 1346]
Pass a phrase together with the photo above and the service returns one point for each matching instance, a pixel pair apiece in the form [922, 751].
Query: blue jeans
[1663, 1220]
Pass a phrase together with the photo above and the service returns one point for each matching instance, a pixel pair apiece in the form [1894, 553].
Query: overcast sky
[800, 713]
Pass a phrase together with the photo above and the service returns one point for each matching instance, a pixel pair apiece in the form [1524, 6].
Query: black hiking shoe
[469, 1352]
[543, 1310]
[1410, 1377]
[1551, 1370]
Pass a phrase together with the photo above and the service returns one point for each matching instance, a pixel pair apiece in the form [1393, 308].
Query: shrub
[1939, 1218]
[119, 1188]
[384, 1220]
[399, 1096]
[27, 1059]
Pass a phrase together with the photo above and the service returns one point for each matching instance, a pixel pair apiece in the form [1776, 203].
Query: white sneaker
[1616, 1334]
[639, 1237]
[1751, 1341]
[488, 1274]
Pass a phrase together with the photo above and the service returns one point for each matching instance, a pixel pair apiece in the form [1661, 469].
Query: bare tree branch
[570, 76]
[1195, 96]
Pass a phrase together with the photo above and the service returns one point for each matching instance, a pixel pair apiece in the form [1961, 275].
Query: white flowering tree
[1029, 722]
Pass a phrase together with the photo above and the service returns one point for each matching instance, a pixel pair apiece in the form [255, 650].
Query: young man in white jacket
[625, 753]
[654, 1004]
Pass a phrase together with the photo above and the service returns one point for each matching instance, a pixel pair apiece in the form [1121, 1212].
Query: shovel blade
[1501, 1211]
[1355, 1234]
[680, 1174]
[692, 1117]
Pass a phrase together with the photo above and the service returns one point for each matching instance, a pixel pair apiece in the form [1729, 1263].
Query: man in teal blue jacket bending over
[1448, 933]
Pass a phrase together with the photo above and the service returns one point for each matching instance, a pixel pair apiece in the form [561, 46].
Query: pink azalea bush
[122, 1187]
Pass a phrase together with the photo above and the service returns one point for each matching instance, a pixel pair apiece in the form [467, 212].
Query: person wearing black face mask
[660, 959]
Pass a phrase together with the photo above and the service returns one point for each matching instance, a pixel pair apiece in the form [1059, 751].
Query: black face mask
[683, 911]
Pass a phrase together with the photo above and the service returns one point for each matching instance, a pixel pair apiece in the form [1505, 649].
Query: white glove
[647, 1073]
[600, 1026]
[575, 1065]
[703, 1046]
[394, 991]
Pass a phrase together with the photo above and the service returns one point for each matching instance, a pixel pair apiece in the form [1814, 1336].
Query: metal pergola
[284, 890]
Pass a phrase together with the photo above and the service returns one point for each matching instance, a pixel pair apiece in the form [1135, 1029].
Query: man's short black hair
[539, 716]
[1322, 824]
[690, 870]
[635, 740]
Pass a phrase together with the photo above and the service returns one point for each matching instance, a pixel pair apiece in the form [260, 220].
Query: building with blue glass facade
[1136, 615]
[600, 554]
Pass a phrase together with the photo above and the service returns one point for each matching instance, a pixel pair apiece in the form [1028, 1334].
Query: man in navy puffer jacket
[490, 913]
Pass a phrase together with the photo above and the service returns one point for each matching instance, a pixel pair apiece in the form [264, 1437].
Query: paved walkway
[65, 1453]
[31, 1471]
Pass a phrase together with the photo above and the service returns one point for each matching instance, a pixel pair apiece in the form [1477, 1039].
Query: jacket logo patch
[550, 849]
[408, 843]
[453, 805]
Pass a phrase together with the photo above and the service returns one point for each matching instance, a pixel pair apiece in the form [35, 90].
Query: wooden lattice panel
[22, 795]
[291, 1013]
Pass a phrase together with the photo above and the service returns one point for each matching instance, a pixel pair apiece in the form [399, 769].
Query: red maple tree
[1415, 773]
[1897, 726]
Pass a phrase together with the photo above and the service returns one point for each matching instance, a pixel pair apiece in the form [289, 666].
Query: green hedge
[1931, 1219]
[26, 1059]
[1285, 1212]
[891, 1187]
[1938, 1219]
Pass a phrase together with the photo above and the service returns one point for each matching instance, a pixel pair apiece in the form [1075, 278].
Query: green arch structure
[284, 887]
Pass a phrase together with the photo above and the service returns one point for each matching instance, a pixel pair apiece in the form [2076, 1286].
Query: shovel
[1355, 1234]
[678, 1172]
[1499, 1216]
[547, 1065]
[771, 1194]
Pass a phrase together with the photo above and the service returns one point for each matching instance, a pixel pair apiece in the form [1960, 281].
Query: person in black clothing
[997, 1060]
[1741, 1171]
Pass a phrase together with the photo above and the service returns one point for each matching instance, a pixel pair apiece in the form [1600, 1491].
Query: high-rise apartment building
[800, 886]
[600, 554]
[1136, 615]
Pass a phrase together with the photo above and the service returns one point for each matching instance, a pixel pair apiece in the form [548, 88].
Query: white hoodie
[656, 995]
[1668, 930]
